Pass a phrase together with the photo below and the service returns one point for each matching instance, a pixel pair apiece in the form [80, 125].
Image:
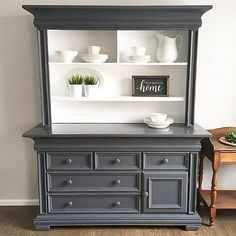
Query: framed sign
[150, 85]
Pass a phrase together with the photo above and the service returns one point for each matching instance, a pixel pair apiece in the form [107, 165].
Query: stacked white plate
[158, 125]
[139, 59]
[100, 58]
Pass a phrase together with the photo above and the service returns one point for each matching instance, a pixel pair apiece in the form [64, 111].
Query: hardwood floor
[17, 221]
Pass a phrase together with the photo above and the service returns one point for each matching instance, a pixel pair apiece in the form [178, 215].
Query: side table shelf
[226, 199]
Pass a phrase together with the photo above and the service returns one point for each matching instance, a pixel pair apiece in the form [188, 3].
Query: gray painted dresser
[117, 174]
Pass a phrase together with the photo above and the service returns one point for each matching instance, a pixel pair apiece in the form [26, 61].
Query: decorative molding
[19, 202]
[117, 17]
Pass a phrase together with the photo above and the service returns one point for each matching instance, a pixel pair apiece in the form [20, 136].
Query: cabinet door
[165, 192]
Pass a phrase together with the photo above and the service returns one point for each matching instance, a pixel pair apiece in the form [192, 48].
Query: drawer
[117, 160]
[157, 160]
[94, 203]
[94, 182]
[69, 160]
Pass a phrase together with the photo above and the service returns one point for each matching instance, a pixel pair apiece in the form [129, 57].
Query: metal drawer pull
[117, 161]
[165, 161]
[116, 203]
[69, 181]
[145, 194]
[68, 161]
[69, 204]
[117, 181]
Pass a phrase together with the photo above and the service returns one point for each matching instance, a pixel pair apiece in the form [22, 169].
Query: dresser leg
[200, 176]
[215, 167]
[42, 227]
[192, 227]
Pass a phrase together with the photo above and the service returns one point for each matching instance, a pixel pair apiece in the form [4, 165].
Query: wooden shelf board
[118, 99]
[226, 199]
[122, 64]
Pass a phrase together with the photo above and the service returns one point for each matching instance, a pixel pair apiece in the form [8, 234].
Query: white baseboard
[19, 202]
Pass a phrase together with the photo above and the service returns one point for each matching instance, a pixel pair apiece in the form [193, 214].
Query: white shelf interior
[139, 38]
[114, 103]
[79, 40]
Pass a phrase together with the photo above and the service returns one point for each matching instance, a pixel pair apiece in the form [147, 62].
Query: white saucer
[94, 59]
[158, 125]
[138, 59]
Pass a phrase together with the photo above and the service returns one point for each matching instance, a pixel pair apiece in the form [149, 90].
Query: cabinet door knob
[68, 161]
[116, 203]
[145, 194]
[69, 181]
[165, 161]
[69, 204]
[117, 161]
[117, 181]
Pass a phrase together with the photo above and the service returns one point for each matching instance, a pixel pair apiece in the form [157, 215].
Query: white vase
[90, 90]
[167, 49]
[76, 90]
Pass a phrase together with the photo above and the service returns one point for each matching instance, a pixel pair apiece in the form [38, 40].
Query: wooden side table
[217, 153]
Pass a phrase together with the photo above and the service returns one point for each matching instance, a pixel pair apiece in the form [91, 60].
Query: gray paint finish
[93, 182]
[87, 184]
[94, 203]
[72, 160]
[165, 161]
[167, 191]
[116, 17]
[83, 155]
[115, 130]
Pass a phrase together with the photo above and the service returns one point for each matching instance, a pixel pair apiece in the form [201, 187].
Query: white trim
[19, 202]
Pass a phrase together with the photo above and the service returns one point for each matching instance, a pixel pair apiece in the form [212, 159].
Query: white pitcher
[167, 50]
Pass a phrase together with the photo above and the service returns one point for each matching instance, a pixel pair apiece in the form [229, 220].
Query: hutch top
[117, 29]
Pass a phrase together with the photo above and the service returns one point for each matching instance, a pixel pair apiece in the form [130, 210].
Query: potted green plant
[76, 85]
[90, 85]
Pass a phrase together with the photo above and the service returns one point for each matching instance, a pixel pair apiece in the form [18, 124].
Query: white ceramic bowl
[158, 117]
[66, 56]
[94, 58]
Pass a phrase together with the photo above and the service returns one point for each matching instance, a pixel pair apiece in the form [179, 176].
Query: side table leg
[200, 176]
[215, 167]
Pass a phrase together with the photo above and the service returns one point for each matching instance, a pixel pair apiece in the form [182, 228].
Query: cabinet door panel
[167, 192]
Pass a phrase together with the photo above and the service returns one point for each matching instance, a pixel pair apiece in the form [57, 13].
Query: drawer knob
[69, 204]
[69, 181]
[68, 161]
[145, 194]
[165, 161]
[117, 161]
[116, 203]
[117, 181]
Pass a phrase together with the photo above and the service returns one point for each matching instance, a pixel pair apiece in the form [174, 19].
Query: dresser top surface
[114, 130]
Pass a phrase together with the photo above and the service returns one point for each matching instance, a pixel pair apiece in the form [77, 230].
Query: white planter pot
[90, 90]
[76, 90]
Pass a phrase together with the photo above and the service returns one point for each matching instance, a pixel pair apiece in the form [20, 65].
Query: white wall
[19, 87]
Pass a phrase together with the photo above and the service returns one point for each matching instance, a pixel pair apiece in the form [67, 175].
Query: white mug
[95, 50]
[158, 117]
[138, 51]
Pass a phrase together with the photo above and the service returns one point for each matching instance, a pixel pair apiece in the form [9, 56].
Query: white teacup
[158, 117]
[138, 51]
[95, 50]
